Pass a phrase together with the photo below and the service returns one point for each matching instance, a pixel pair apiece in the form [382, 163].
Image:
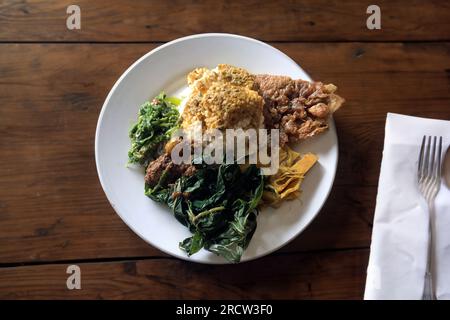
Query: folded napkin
[400, 232]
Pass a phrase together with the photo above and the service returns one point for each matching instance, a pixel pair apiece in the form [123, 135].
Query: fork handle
[428, 293]
[428, 290]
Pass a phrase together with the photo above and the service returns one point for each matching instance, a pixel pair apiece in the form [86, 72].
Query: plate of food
[217, 148]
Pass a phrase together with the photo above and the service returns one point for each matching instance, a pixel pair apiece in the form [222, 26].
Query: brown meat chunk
[319, 110]
[300, 109]
[164, 164]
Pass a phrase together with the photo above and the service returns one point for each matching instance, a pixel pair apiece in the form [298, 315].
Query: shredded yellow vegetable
[285, 184]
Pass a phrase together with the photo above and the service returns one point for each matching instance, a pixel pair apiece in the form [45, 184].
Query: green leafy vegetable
[156, 122]
[219, 206]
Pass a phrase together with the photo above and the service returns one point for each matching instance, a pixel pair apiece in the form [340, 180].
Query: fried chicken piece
[300, 109]
[200, 79]
[222, 98]
[232, 107]
[235, 76]
[197, 74]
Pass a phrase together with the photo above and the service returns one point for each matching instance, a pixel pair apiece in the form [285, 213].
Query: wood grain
[77, 232]
[53, 211]
[52, 207]
[297, 20]
[323, 275]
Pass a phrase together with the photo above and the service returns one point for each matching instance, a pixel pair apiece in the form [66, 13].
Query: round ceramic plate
[165, 69]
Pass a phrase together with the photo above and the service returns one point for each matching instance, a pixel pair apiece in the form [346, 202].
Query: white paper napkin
[400, 232]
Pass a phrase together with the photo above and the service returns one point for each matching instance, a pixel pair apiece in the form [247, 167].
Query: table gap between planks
[53, 81]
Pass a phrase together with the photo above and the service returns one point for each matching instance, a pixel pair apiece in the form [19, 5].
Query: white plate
[165, 68]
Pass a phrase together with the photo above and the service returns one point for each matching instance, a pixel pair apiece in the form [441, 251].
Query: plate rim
[100, 120]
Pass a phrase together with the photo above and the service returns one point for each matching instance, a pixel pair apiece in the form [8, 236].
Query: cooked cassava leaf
[193, 244]
[219, 206]
[156, 122]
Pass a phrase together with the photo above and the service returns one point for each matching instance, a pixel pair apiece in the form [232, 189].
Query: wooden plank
[55, 232]
[52, 206]
[298, 20]
[324, 275]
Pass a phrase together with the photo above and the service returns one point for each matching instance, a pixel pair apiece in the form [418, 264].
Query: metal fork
[429, 180]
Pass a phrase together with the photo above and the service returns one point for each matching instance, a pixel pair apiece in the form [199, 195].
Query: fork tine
[432, 159]
[438, 169]
[426, 159]
[420, 166]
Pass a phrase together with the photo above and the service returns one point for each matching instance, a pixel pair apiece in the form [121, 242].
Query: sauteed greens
[157, 120]
[218, 204]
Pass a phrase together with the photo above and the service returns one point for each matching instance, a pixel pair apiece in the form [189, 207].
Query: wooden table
[53, 81]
